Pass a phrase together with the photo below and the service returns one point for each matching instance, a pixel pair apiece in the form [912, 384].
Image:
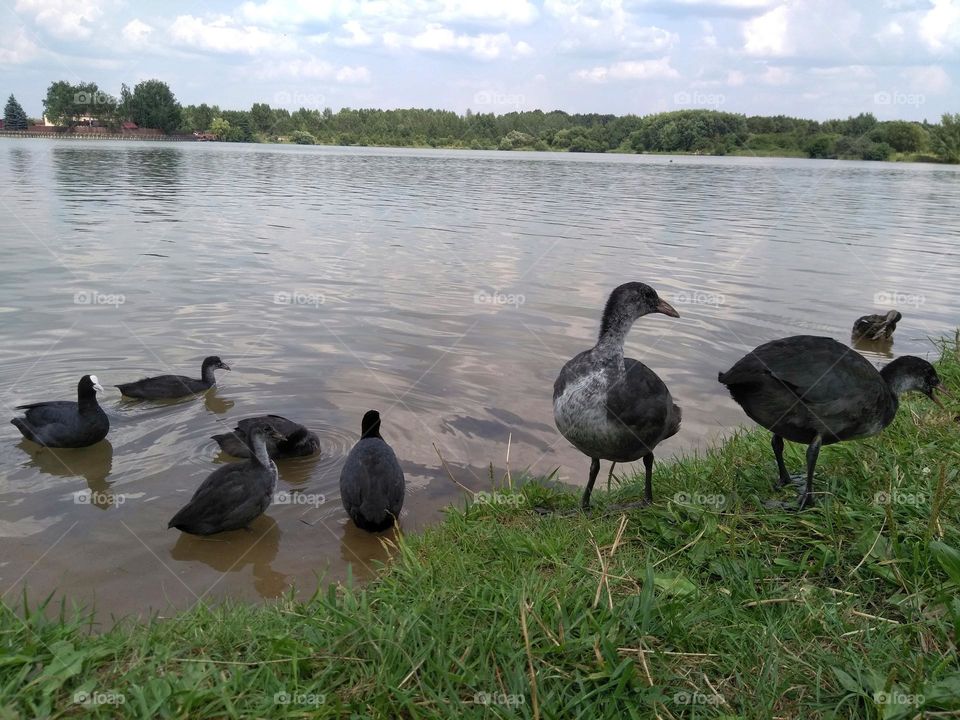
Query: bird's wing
[640, 398]
[49, 412]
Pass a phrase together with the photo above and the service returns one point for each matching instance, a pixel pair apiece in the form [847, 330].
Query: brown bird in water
[876, 327]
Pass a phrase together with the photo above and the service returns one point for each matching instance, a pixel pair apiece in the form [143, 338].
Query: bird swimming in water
[614, 408]
[876, 328]
[66, 424]
[234, 495]
[817, 391]
[170, 387]
[297, 440]
[371, 482]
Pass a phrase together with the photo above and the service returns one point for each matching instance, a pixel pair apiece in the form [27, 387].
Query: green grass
[705, 605]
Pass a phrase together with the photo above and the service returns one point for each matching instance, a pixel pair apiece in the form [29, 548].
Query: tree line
[151, 104]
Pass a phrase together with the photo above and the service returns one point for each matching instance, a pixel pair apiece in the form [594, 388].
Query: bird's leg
[648, 480]
[594, 471]
[813, 452]
[610, 476]
[785, 478]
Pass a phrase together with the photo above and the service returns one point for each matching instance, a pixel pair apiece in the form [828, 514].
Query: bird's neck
[259, 448]
[613, 334]
[898, 382]
[206, 374]
[87, 401]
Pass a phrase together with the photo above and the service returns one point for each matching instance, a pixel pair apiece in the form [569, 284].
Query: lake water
[444, 288]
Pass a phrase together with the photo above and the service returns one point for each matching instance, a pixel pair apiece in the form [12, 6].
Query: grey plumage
[234, 495]
[65, 424]
[876, 328]
[372, 485]
[170, 387]
[296, 440]
[615, 408]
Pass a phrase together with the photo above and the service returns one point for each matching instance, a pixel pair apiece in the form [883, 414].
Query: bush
[821, 146]
[302, 137]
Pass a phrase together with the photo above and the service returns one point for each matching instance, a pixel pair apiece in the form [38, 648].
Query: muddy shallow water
[444, 288]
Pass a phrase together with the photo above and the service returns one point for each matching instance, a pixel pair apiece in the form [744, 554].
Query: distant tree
[821, 146]
[219, 128]
[153, 105]
[14, 118]
[262, 118]
[302, 137]
[945, 138]
[901, 135]
[66, 103]
[515, 139]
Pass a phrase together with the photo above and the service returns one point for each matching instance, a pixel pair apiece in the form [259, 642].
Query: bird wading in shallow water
[614, 408]
[876, 328]
[66, 424]
[817, 391]
[371, 482]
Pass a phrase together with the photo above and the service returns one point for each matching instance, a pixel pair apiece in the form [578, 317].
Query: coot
[817, 391]
[371, 482]
[297, 440]
[66, 424]
[876, 327]
[234, 495]
[170, 387]
[611, 407]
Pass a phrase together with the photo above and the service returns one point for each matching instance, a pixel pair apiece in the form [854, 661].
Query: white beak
[96, 383]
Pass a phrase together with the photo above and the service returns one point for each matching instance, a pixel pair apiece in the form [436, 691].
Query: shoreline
[739, 152]
[706, 604]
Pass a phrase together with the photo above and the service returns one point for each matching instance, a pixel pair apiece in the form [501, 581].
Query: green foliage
[516, 139]
[861, 148]
[700, 131]
[153, 105]
[945, 138]
[14, 117]
[66, 103]
[821, 146]
[901, 135]
[219, 128]
[302, 137]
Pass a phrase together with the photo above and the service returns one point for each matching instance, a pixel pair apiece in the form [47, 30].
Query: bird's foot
[804, 501]
[620, 507]
[798, 481]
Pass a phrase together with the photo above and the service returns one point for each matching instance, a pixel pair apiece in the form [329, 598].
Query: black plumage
[232, 496]
[66, 424]
[170, 387]
[296, 440]
[817, 391]
[372, 485]
[611, 407]
[876, 328]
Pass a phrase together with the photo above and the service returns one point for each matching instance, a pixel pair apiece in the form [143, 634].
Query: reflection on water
[444, 289]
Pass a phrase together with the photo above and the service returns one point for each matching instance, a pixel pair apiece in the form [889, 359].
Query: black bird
[371, 482]
[297, 440]
[816, 391]
[234, 495]
[876, 327]
[611, 407]
[66, 424]
[170, 387]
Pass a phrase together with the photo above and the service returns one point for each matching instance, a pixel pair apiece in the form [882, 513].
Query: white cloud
[223, 36]
[287, 13]
[606, 27]
[735, 78]
[776, 76]
[437, 38]
[136, 32]
[316, 69]
[767, 34]
[508, 12]
[358, 37]
[63, 19]
[628, 70]
[940, 26]
[931, 79]
[352, 75]
[17, 48]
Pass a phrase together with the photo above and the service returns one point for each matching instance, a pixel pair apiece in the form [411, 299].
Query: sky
[809, 58]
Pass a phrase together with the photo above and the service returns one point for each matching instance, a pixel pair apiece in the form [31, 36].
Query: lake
[443, 288]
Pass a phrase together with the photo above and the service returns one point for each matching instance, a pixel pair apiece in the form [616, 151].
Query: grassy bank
[704, 605]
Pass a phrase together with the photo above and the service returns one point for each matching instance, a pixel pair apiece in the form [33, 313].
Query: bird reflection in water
[365, 551]
[233, 551]
[94, 464]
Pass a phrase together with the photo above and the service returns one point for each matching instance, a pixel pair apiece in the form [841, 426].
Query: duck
[234, 495]
[611, 407]
[66, 424]
[371, 482]
[171, 387]
[876, 327]
[817, 391]
[297, 440]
